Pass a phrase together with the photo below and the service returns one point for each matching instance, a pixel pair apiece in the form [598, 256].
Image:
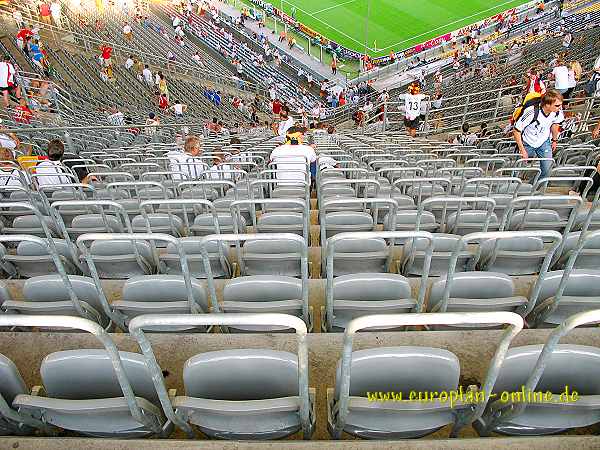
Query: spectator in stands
[39, 94]
[8, 84]
[567, 39]
[467, 137]
[536, 130]
[44, 8]
[178, 109]
[53, 169]
[276, 106]
[18, 17]
[151, 120]
[170, 59]
[9, 175]
[22, 112]
[217, 98]
[37, 55]
[162, 86]
[182, 161]
[23, 37]
[8, 140]
[334, 66]
[147, 74]
[163, 102]
[412, 108]
[129, 62]
[116, 117]
[293, 156]
[285, 122]
[55, 11]
[560, 74]
[596, 131]
[574, 75]
[534, 82]
[106, 53]
[127, 32]
[483, 131]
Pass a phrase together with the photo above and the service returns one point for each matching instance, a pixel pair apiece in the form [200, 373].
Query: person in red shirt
[163, 103]
[106, 54]
[45, 13]
[22, 112]
[23, 36]
[276, 106]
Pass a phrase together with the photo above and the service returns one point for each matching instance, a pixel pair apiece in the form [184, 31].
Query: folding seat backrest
[555, 369]
[99, 393]
[218, 259]
[242, 393]
[401, 371]
[11, 385]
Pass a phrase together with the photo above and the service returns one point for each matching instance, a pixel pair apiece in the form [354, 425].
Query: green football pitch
[386, 25]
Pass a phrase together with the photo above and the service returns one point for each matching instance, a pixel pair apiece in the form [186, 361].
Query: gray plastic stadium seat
[514, 256]
[84, 396]
[582, 216]
[94, 223]
[7, 270]
[11, 385]
[443, 246]
[575, 366]
[263, 294]
[362, 294]
[476, 292]
[159, 294]
[171, 264]
[406, 220]
[48, 295]
[340, 222]
[358, 255]
[537, 219]
[32, 260]
[204, 224]
[582, 293]
[398, 369]
[280, 222]
[31, 225]
[271, 257]
[404, 203]
[589, 257]
[159, 223]
[200, 192]
[471, 222]
[116, 259]
[249, 394]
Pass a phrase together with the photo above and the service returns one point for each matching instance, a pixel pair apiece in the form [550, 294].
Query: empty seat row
[379, 392]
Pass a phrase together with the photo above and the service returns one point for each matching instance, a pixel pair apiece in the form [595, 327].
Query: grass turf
[393, 24]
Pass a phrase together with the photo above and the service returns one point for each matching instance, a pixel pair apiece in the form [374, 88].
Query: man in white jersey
[293, 156]
[183, 161]
[536, 130]
[412, 108]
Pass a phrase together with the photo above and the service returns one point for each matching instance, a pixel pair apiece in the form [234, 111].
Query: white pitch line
[448, 24]
[329, 26]
[333, 7]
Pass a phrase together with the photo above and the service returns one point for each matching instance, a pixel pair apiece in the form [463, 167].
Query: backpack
[532, 99]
